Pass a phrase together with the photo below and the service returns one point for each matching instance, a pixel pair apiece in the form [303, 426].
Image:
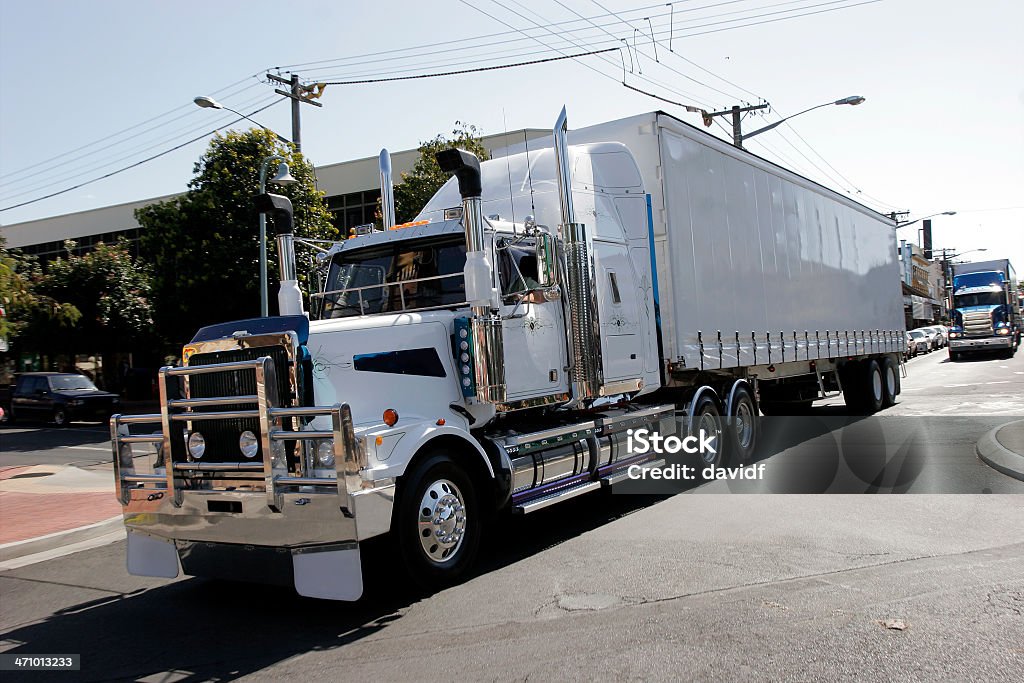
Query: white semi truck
[496, 353]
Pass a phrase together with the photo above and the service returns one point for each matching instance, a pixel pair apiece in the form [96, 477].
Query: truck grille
[222, 435]
[978, 324]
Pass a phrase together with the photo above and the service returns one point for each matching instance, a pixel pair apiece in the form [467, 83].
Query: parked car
[61, 398]
[911, 347]
[939, 335]
[921, 341]
[931, 335]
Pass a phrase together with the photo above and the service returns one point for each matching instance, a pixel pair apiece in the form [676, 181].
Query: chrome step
[556, 497]
[623, 474]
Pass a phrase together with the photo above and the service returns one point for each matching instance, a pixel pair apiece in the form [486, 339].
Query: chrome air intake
[584, 332]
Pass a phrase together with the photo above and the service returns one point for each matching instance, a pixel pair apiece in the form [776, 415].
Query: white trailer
[497, 352]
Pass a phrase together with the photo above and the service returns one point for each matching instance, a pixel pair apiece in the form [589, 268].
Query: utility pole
[736, 111]
[299, 94]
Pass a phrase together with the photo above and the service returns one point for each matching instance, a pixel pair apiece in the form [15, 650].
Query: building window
[352, 209]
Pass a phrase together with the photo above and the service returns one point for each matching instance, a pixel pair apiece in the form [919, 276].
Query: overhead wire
[137, 163]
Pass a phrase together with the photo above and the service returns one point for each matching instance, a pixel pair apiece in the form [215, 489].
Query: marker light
[390, 417]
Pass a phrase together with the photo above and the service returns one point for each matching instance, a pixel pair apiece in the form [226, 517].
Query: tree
[426, 177]
[21, 302]
[109, 288]
[204, 245]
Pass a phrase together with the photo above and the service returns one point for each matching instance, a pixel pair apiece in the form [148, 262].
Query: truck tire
[849, 376]
[954, 356]
[706, 416]
[890, 382]
[873, 391]
[438, 521]
[742, 426]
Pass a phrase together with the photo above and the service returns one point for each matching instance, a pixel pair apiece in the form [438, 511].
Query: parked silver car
[921, 342]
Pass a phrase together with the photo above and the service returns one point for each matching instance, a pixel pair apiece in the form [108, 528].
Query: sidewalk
[1003, 449]
[46, 507]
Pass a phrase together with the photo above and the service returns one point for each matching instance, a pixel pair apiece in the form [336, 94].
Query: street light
[210, 103]
[739, 138]
[283, 177]
[917, 220]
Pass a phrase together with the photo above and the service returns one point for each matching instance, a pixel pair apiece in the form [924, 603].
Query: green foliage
[426, 177]
[109, 289]
[22, 302]
[204, 245]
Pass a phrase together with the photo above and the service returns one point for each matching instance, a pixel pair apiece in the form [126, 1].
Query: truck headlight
[325, 454]
[1004, 331]
[196, 445]
[248, 444]
[954, 335]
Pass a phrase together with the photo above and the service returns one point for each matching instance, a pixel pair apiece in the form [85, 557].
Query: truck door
[533, 327]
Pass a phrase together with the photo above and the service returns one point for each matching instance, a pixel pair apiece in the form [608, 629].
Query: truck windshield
[401, 276]
[979, 299]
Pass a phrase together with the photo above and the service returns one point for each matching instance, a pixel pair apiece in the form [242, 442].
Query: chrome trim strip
[206, 402]
[218, 466]
[284, 435]
[266, 392]
[221, 415]
[522, 439]
[213, 367]
[155, 438]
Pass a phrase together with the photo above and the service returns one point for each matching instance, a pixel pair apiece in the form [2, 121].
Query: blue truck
[986, 309]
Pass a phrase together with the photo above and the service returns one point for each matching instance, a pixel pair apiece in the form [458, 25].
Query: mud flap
[148, 556]
[330, 574]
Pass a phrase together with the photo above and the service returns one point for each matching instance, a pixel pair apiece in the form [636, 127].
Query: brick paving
[27, 515]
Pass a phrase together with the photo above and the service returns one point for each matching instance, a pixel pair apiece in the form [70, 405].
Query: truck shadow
[28, 436]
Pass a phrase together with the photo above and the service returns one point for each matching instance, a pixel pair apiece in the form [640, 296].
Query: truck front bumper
[255, 520]
[981, 343]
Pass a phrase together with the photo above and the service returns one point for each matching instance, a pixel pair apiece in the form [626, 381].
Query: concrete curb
[71, 537]
[997, 456]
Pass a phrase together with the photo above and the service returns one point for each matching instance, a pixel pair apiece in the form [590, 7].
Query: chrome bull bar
[349, 459]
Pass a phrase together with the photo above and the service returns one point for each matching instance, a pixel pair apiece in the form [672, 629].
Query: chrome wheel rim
[59, 418]
[876, 384]
[744, 424]
[442, 521]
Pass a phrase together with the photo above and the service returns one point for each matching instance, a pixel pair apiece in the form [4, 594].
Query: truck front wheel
[438, 521]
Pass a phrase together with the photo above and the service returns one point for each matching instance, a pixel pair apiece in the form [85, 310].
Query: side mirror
[547, 260]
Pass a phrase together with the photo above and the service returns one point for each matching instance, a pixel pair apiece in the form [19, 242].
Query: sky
[89, 88]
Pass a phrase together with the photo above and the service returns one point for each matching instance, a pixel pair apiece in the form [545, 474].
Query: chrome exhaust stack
[387, 190]
[289, 297]
[584, 322]
[488, 340]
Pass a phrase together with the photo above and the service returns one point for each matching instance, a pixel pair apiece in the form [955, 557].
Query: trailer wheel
[742, 426]
[890, 382]
[706, 417]
[438, 521]
[872, 387]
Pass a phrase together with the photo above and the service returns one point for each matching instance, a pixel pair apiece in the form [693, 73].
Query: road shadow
[202, 629]
[26, 436]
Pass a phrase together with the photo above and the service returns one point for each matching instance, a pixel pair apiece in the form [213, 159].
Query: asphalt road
[698, 587]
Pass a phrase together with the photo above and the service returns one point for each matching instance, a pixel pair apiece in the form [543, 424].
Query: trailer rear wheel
[872, 387]
[890, 381]
[742, 426]
[438, 521]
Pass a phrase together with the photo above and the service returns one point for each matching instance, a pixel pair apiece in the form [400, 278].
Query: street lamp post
[903, 224]
[283, 177]
[738, 137]
[210, 103]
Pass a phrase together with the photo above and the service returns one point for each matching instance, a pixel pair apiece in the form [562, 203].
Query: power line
[476, 70]
[137, 163]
